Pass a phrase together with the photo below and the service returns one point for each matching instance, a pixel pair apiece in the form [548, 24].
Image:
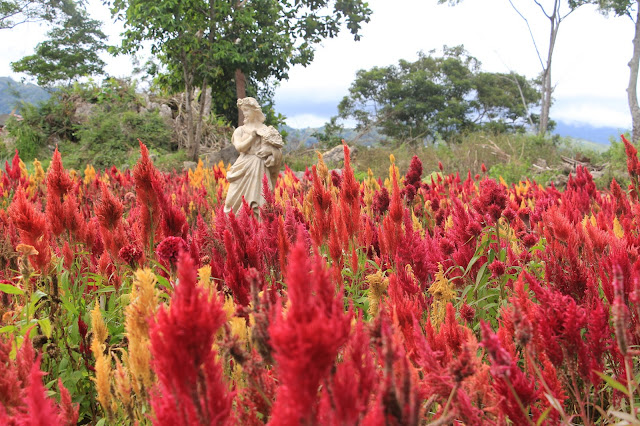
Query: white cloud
[301, 121]
[593, 113]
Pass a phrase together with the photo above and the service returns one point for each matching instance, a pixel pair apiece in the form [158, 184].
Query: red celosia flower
[633, 164]
[306, 340]
[467, 313]
[58, 180]
[381, 201]
[131, 254]
[170, 248]
[191, 388]
[491, 200]
[497, 268]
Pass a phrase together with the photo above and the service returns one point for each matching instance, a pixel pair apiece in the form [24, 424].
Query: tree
[16, 12]
[553, 12]
[72, 51]
[437, 97]
[216, 43]
[628, 8]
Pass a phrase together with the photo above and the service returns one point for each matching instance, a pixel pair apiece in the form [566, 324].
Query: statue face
[250, 114]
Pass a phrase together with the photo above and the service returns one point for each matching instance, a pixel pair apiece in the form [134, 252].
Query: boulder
[186, 165]
[228, 155]
[336, 154]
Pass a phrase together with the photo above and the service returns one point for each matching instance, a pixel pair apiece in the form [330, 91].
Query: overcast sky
[589, 68]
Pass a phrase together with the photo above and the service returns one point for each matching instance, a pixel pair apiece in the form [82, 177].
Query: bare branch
[530, 33]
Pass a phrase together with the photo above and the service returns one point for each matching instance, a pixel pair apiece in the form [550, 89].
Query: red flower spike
[190, 388]
[307, 340]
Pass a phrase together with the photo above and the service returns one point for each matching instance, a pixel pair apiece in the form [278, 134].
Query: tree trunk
[632, 92]
[547, 90]
[241, 92]
[192, 144]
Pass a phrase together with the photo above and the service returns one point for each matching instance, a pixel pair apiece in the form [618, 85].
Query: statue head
[251, 109]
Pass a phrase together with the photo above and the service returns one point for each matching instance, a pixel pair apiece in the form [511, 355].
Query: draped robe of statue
[245, 176]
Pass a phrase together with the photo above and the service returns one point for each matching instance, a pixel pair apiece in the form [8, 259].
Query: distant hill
[599, 135]
[12, 92]
[304, 137]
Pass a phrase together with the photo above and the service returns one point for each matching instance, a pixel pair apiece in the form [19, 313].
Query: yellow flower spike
[417, 224]
[143, 303]
[229, 307]
[448, 224]
[502, 182]
[100, 332]
[89, 174]
[617, 229]
[122, 383]
[322, 169]
[38, 173]
[204, 274]
[23, 169]
[103, 384]
[593, 221]
[443, 293]
[377, 286]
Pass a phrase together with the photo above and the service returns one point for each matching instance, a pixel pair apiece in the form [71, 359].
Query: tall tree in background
[72, 51]
[16, 12]
[437, 97]
[215, 43]
[630, 9]
[554, 11]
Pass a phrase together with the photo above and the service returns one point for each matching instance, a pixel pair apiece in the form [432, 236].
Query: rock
[165, 112]
[228, 155]
[83, 111]
[336, 154]
[186, 165]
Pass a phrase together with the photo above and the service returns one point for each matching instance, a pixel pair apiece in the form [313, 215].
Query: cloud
[596, 112]
[302, 121]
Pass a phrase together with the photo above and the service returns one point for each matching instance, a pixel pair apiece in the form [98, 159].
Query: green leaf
[45, 326]
[543, 416]
[9, 289]
[613, 383]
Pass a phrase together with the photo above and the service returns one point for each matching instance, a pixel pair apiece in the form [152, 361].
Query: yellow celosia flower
[143, 304]
[38, 173]
[196, 177]
[23, 169]
[502, 181]
[100, 332]
[122, 383]
[617, 228]
[103, 385]
[322, 169]
[443, 293]
[377, 286]
[89, 174]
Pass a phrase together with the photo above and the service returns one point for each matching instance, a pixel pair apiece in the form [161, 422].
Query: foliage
[437, 97]
[16, 12]
[407, 300]
[72, 51]
[235, 48]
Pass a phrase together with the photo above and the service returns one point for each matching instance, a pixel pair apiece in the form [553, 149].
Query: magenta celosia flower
[131, 254]
[170, 248]
[497, 268]
[491, 200]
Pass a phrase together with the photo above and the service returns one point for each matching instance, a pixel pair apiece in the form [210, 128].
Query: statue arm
[242, 144]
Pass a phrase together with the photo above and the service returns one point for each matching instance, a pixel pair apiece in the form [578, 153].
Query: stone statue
[260, 149]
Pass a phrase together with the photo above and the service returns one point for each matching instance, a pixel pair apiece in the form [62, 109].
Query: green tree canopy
[72, 51]
[438, 97]
[226, 43]
[16, 12]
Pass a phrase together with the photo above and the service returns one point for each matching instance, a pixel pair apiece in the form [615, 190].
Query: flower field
[130, 297]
